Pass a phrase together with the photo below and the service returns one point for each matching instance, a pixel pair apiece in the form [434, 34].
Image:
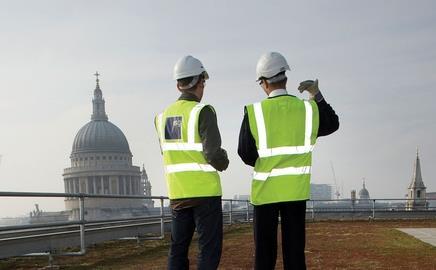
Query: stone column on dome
[132, 189]
[102, 185]
[125, 185]
[86, 185]
[110, 184]
[116, 191]
[66, 186]
[71, 183]
[94, 183]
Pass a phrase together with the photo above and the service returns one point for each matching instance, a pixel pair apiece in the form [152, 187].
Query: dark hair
[185, 81]
[281, 83]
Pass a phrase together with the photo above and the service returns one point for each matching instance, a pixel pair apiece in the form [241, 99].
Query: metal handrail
[82, 222]
[314, 206]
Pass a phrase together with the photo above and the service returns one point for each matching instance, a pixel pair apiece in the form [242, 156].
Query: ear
[266, 84]
[178, 87]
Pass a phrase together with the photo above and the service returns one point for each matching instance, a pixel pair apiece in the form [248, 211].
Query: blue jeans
[207, 218]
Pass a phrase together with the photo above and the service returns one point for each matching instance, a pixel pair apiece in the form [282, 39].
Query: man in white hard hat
[277, 138]
[192, 154]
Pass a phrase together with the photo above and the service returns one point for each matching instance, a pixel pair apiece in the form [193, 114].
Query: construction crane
[337, 193]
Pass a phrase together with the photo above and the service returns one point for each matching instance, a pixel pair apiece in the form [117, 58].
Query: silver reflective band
[264, 151]
[260, 122]
[182, 147]
[193, 119]
[285, 150]
[308, 125]
[262, 176]
[189, 167]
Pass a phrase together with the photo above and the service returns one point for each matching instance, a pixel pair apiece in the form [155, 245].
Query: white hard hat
[189, 66]
[271, 64]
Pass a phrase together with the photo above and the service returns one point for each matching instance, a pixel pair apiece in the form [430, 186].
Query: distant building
[101, 163]
[353, 198]
[39, 216]
[416, 197]
[241, 197]
[364, 198]
[149, 203]
[431, 200]
[321, 192]
[238, 204]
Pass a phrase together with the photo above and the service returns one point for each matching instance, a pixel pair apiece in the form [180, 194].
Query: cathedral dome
[363, 193]
[100, 136]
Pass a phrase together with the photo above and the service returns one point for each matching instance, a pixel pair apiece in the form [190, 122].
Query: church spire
[417, 177]
[98, 110]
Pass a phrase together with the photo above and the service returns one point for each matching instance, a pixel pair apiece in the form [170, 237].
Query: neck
[189, 95]
[268, 90]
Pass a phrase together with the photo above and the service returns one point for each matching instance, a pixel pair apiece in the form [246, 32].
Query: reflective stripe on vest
[189, 167]
[264, 151]
[262, 176]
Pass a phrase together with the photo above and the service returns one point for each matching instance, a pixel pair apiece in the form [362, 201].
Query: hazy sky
[375, 61]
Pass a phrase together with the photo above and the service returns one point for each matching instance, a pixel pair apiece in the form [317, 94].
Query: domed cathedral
[416, 197]
[101, 163]
[364, 198]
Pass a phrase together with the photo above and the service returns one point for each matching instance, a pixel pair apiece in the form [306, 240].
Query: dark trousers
[208, 219]
[292, 217]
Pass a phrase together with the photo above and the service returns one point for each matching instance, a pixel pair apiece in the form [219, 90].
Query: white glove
[310, 86]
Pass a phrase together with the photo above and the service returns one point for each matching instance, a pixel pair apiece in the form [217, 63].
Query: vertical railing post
[82, 223]
[313, 210]
[373, 209]
[231, 212]
[248, 210]
[162, 229]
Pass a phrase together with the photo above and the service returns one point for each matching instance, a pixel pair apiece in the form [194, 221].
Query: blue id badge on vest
[173, 128]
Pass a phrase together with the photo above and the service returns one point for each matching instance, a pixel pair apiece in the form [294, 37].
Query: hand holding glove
[310, 86]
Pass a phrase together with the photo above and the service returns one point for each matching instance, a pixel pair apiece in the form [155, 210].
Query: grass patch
[329, 245]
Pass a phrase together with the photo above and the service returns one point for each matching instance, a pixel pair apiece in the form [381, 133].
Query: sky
[375, 61]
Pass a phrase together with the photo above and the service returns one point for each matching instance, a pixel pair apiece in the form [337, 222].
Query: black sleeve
[328, 120]
[247, 146]
[211, 139]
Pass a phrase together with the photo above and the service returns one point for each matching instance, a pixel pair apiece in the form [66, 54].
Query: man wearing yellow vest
[191, 146]
[277, 138]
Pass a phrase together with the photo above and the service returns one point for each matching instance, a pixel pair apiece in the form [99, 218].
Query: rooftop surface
[329, 245]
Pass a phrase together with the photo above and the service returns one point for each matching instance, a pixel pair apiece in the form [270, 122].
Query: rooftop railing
[44, 238]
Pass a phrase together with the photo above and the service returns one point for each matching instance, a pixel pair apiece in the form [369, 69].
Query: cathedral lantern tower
[416, 194]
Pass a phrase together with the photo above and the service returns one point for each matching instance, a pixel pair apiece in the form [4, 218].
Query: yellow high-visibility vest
[187, 173]
[285, 129]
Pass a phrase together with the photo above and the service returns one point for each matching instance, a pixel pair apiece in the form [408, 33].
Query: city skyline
[375, 67]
